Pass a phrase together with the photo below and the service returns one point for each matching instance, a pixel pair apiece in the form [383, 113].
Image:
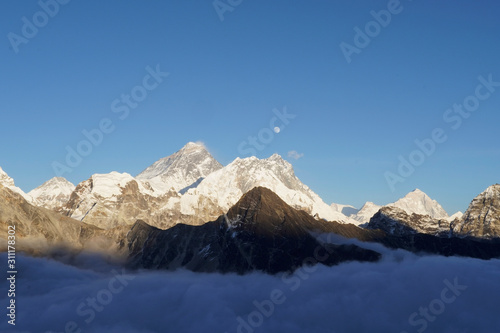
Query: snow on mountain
[8, 182]
[457, 215]
[224, 187]
[420, 203]
[182, 170]
[104, 198]
[347, 210]
[366, 212]
[53, 193]
[415, 202]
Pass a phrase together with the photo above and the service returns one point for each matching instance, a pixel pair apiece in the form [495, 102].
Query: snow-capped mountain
[8, 182]
[420, 203]
[182, 170]
[415, 202]
[223, 187]
[366, 212]
[113, 199]
[53, 193]
[482, 218]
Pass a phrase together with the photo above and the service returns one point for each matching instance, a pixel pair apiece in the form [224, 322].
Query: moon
[277, 129]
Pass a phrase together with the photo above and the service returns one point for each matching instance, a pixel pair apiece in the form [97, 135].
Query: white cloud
[351, 297]
[294, 154]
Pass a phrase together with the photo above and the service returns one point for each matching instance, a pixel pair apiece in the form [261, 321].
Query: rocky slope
[398, 222]
[482, 218]
[52, 194]
[38, 229]
[261, 232]
[118, 199]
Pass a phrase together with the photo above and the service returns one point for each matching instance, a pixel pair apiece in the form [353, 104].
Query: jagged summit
[261, 205]
[8, 182]
[482, 218]
[53, 193]
[366, 212]
[181, 170]
[420, 203]
[5, 180]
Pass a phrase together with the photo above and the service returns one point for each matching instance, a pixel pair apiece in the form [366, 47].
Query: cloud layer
[352, 297]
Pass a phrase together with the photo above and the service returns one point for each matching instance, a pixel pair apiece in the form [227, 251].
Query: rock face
[482, 218]
[39, 228]
[117, 199]
[397, 222]
[52, 194]
[261, 232]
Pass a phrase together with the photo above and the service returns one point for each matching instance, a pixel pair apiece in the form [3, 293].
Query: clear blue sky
[352, 121]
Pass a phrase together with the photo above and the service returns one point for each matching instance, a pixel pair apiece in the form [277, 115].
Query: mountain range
[191, 187]
[187, 210]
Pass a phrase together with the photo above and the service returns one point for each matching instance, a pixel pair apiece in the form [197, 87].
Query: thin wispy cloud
[295, 155]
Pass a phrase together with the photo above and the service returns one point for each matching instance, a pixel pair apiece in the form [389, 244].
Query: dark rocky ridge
[261, 232]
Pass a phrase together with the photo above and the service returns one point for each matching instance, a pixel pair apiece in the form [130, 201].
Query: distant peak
[57, 180]
[194, 145]
[416, 193]
[275, 157]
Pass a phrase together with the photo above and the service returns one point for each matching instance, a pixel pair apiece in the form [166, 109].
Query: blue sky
[353, 120]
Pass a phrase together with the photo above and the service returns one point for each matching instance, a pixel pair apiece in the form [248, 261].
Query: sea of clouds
[403, 292]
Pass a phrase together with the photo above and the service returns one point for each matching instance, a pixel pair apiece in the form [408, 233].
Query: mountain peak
[482, 218]
[262, 210]
[53, 193]
[419, 202]
[181, 170]
[198, 145]
[5, 180]
[8, 182]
